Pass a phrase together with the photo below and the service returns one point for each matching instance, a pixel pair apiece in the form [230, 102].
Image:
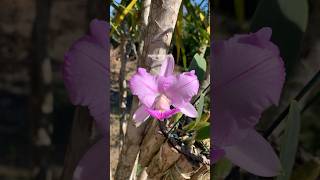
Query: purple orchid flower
[85, 73]
[94, 163]
[248, 77]
[158, 93]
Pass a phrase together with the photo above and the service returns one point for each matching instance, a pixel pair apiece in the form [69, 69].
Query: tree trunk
[122, 86]
[41, 95]
[143, 24]
[79, 142]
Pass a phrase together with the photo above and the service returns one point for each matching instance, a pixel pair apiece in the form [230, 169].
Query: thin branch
[300, 95]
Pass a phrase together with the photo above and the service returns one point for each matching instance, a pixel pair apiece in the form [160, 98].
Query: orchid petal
[186, 86]
[99, 30]
[227, 132]
[93, 163]
[248, 79]
[165, 82]
[189, 110]
[255, 155]
[167, 66]
[144, 85]
[217, 154]
[140, 115]
[162, 115]
[261, 39]
[85, 73]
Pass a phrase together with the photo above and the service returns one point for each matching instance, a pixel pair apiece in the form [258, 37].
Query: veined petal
[167, 66]
[165, 82]
[255, 155]
[144, 85]
[86, 71]
[186, 86]
[189, 110]
[247, 80]
[162, 115]
[93, 163]
[140, 115]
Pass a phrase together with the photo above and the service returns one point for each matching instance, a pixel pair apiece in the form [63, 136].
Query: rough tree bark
[41, 92]
[79, 142]
[143, 24]
[122, 85]
[158, 35]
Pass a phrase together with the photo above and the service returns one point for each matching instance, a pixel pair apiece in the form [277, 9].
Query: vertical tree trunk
[122, 85]
[143, 25]
[79, 141]
[158, 34]
[161, 25]
[41, 92]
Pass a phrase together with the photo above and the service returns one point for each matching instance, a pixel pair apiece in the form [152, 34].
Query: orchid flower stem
[301, 94]
[313, 100]
[174, 125]
[205, 91]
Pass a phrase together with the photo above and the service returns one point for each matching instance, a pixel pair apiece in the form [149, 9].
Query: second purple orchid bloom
[158, 93]
[85, 73]
[248, 75]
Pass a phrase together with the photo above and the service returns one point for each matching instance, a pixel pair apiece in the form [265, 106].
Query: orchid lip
[161, 115]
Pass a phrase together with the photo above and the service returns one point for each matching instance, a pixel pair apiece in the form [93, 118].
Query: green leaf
[120, 17]
[239, 7]
[176, 117]
[195, 126]
[178, 39]
[203, 133]
[199, 64]
[199, 106]
[288, 20]
[221, 169]
[289, 141]
[308, 171]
